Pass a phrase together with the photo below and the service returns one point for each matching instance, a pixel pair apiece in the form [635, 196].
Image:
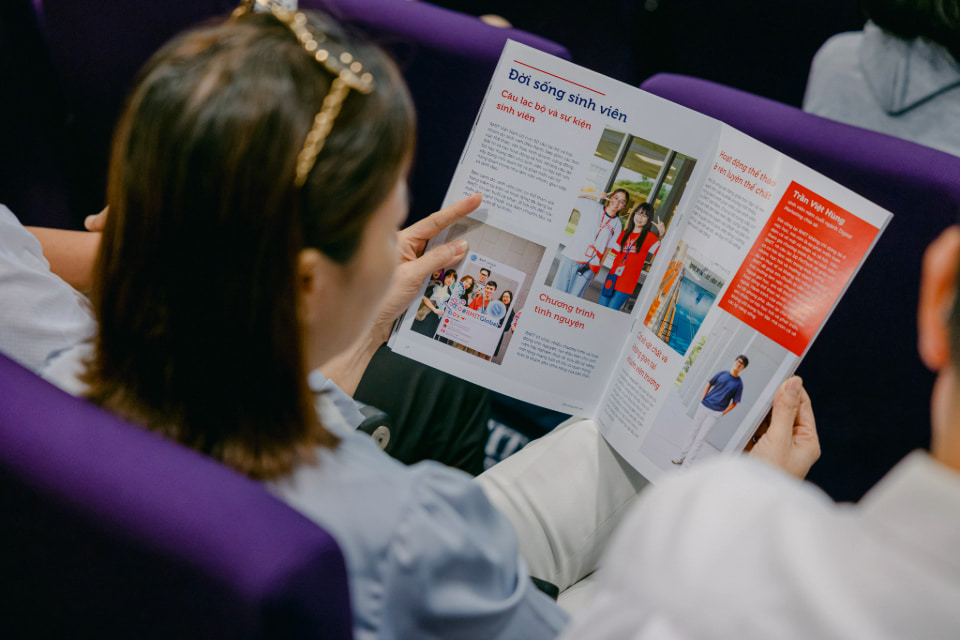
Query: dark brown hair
[195, 284]
[632, 225]
[936, 20]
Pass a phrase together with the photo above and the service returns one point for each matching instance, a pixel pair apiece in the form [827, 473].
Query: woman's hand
[427, 301]
[96, 221]
[790, 442]
[416, 265]
[346, 369]
[72, 254]
[661, 228]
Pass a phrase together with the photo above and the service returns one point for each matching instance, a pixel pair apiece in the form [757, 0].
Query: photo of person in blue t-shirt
[722, 394]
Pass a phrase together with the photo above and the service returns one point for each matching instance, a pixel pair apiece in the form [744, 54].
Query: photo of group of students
[601, 230]
[474, 306]
[479, 294]
[638, 242]
[617, 226]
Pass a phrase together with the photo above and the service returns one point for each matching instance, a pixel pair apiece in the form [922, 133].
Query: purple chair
[31, 121]
[447, 59]
[96, 47]
[113, 531]
[870, 391]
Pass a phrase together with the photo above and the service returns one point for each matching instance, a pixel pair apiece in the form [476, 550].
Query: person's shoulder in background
[908, 88]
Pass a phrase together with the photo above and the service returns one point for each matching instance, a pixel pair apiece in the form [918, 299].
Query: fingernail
[460, 246]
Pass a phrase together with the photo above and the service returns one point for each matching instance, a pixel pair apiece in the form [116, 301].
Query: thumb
[96, 221]
[440, 257]
[786, 405]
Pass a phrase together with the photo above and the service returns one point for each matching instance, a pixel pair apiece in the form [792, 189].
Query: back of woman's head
[196, 280]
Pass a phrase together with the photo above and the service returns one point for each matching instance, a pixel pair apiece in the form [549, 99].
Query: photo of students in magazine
[478, 313]
[622, 212]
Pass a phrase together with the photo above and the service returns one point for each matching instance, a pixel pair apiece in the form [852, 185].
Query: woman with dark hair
[434, 301]
[257, 182]
[256, 186]
[507, 299]
[599, 224]
[507, 321]
[637, 241]
[465, 289]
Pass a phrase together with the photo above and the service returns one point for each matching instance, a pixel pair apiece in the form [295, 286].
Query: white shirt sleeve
[41, 316]
[711, 554]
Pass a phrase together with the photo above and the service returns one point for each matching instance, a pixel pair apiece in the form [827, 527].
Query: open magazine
[633, 262]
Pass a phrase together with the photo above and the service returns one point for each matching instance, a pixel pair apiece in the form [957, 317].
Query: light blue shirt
[427, 554]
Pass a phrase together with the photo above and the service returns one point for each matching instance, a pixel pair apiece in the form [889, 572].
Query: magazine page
[766, 255]
[544, 301]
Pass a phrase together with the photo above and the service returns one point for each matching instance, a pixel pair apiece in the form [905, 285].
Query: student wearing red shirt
[481, 302]
[636, 241]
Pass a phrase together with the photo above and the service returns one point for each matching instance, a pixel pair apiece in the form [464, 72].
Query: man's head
[489, 290]
[739, 365]
[484, 274]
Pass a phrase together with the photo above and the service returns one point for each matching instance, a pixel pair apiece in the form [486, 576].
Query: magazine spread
[633, 262]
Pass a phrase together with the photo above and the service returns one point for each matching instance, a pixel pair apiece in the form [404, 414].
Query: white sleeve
[41, 316]
[565, 493]
[731, 548]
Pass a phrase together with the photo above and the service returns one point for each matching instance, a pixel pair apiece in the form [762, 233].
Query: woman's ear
[938, 286]
[314, 276]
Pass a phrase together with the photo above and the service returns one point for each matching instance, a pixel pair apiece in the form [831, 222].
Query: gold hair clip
[341, 64]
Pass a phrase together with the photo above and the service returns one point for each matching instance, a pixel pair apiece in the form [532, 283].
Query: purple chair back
[447, 59]
[113, 531]
[32, 119]
[871, 393]
[97, 46]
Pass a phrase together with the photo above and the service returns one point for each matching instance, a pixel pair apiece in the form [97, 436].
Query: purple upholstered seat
[871, 394]
[112, 531]
[96, 47]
